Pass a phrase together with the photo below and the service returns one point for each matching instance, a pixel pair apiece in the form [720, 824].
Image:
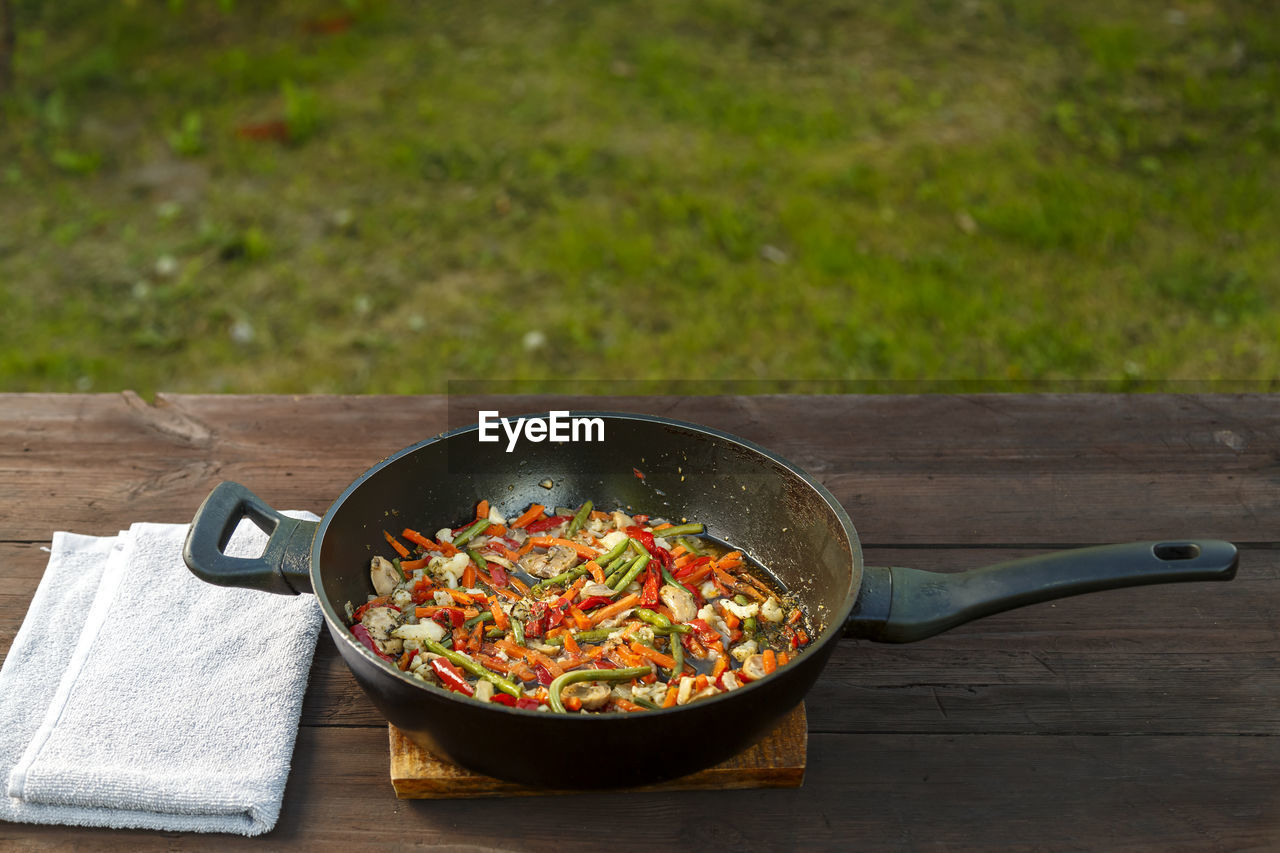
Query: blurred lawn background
[382, 196]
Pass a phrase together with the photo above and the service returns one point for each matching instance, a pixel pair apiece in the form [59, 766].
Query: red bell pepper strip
[498, 574]
[362, 634]
[594, 601]
[503, 699]
[380, 601]
[450, 677]
[642, 519]
[547, 523]
[690, 567]
[536, 625]
[450, 617]
[544, 674]
[649, 595]
[705, 632]
[527, 702]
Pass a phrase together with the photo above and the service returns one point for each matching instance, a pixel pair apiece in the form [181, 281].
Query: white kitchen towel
[136, 695]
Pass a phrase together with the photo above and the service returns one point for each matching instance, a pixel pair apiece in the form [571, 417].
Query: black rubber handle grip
[285, 565]
[897, 605]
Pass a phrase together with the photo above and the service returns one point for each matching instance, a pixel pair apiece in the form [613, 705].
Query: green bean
[578, 520]
[577, 675]
[680, 530]
[643, 702]
[749, 626]
[493, 632]
[613, 553]
[483, 617]
[470, 533]
[634, 569]
[741, 599]
[677, 654]
[638, 547]
[592, 636]
[654, 618]
[480, 561]
[690, 546]
[669, 578]
[517, 628]
[474, 668]
[563, 577]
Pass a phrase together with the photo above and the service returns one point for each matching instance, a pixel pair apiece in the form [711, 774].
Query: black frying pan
[744, 494]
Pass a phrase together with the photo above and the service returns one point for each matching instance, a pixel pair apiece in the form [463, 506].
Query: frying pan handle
[897, 605]
[284, 566]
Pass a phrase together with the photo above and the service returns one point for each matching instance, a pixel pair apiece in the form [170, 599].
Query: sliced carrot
[663, 526]
[624, 658]
[494, 530]
[626, 704]
[614, 609]
[584, 551]
[504, 551]
[571, 645]
[701, 682]
[698, 575]
[598, 515]
[521, 586]
[683, 560]
[525, 548]
[597, 573]
[794, 616]
[783, 659]
[431, 545]
[528, 515]
[770, 661]
[395, 543]
[482, 510]
[460, 596]
[411, 565]
[723, 576]
[469, 576]
[552, 667]
[665, 661]
[495, 664]
[477, 637]
[581, 621]
[573, 703]
[669, 701]
[718, 669]
[499, 615]
[508, 594]
[678, 551]
[732, 560]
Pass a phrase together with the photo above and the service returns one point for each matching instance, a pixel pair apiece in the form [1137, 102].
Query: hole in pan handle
[284, 567]
[897, 605]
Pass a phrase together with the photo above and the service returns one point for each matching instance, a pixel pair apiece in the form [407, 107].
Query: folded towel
[135, 695]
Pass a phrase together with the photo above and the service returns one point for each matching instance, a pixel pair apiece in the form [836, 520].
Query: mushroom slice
[384, 574]
[680, 601]
[550, 564]
[593, 694]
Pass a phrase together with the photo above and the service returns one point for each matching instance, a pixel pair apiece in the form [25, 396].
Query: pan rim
[831, 634]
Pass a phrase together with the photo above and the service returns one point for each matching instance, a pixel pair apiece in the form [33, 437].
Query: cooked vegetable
[578, 612]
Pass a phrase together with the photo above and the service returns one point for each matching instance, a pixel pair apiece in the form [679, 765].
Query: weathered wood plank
[865, 792]
[990, 468]
[776, 761]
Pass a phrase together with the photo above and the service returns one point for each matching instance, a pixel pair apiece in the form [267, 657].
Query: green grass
[781, 192]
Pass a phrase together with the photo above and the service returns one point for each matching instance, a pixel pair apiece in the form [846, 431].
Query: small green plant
[301, 112]
[187, 139]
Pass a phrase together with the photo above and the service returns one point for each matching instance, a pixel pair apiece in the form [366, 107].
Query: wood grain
[1139, 719]
[777, 761]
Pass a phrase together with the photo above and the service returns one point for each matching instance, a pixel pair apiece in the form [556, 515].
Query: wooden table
[1133, 719]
